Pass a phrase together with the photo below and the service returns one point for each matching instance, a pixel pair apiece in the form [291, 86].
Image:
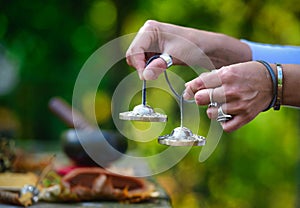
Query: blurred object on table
[16, 181]
[9, 126]
[86, 145]
[93, 148]
[7, 154]
[15, 188]
[97, 184]
[30, 162]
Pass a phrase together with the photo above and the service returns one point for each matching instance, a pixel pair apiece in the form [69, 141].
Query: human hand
[187, 46]
[242, 90]
[155, 38]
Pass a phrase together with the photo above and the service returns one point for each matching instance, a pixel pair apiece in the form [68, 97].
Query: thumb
[154, 69]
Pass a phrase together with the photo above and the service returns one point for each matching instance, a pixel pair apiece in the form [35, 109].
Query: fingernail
[209, 113]
[148, 74]
[185, 96]
[140, 73]
[141, 76]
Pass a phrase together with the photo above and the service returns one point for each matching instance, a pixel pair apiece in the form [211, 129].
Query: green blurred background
[43, 45]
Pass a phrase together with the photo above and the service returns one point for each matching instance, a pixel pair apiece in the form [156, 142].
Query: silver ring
[212, 103]
[222, 117]
[167, 58]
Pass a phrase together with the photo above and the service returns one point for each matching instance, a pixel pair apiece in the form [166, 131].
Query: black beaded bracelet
[274, 82]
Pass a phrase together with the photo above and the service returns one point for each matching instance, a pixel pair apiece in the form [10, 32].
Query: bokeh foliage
[49, 41]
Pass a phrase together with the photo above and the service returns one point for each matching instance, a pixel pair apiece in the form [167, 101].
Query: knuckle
[197, 98]
[128, 60]
[150, 24]
[232, 92]
[129, 52]
[228, 74]
[197, 83]
[204, 75]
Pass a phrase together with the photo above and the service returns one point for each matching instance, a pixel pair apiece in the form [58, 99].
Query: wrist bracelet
[274, 83]
[279, 87]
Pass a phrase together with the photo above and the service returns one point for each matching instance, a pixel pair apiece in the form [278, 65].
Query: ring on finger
[167, 58]
[222, 117]
[212, 103]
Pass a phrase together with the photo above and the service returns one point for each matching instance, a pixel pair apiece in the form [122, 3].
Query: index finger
[204, 81]
[141, 44]
[138, 62]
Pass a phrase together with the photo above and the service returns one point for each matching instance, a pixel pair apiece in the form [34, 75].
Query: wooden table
[162, 201]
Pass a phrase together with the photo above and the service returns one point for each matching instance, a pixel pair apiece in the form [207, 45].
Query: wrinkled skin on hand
[187, 46]
[243, 90]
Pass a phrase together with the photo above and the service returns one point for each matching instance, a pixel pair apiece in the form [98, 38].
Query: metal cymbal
[143, 113]
[182, 136]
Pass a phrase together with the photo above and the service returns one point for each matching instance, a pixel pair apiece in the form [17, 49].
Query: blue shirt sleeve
[274, 53]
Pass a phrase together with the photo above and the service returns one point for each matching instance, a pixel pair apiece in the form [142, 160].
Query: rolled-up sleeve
[283, 54]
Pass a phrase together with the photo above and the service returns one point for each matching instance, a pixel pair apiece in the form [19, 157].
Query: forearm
[227, 50]
[222, 50]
